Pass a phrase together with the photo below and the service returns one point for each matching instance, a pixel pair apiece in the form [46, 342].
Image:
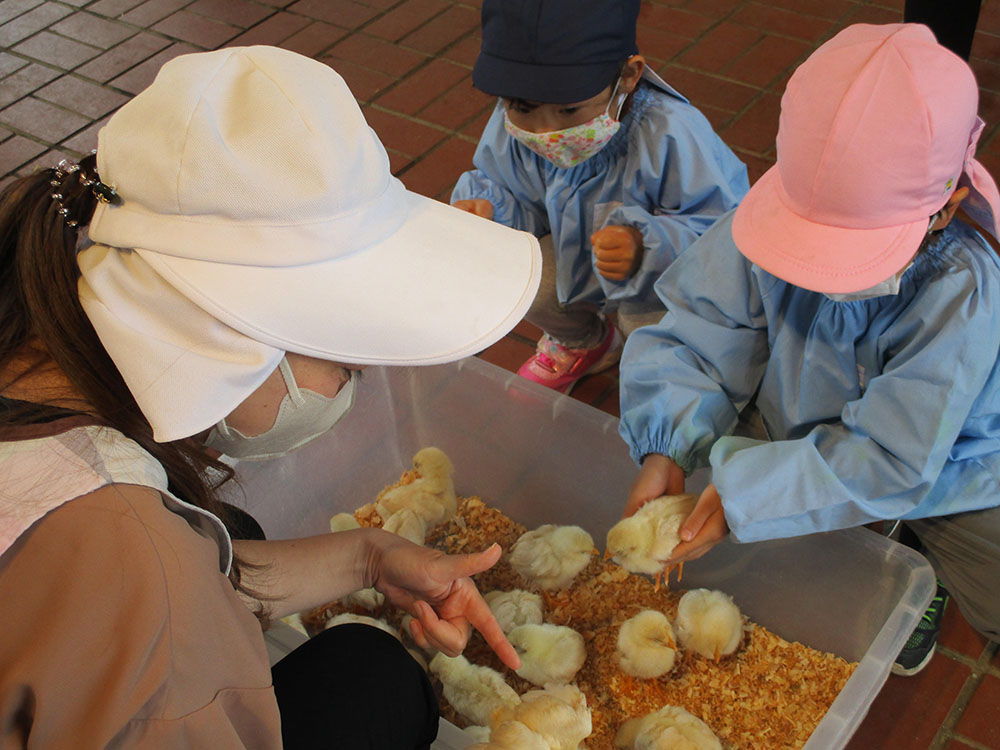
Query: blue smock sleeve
[885, 456]
[502, 177]
[685, 380]
[688, 175]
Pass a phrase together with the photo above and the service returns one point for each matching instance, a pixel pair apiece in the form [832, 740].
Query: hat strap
[983, 203]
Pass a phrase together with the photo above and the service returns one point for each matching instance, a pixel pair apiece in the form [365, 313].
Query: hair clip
[103, 192]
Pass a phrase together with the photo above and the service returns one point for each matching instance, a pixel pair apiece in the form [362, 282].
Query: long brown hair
[42, 323]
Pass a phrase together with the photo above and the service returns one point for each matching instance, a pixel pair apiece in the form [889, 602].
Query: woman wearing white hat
[248, 250]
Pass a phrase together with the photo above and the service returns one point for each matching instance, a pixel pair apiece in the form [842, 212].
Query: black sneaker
[919, 649]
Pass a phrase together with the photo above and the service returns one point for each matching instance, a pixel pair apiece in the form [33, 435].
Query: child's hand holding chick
[477, 206]
[617, 251]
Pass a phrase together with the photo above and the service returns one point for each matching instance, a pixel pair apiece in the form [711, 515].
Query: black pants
[354, 687]
[952, 21]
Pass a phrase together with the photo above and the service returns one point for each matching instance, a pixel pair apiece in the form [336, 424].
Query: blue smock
[881, 408]
[665, 172]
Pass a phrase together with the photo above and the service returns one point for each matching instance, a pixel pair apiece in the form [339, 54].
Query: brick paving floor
[65, 65]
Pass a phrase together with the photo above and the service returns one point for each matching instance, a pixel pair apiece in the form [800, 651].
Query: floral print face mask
[572, 146]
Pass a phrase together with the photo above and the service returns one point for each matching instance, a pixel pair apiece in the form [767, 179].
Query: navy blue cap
[557, 51]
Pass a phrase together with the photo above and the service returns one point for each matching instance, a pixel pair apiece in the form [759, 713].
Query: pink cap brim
[818, 257]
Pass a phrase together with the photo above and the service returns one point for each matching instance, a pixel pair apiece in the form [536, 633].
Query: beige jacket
[119, 627]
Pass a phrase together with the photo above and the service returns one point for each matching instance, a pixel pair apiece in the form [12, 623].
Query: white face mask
[891, 285]
[303, 416]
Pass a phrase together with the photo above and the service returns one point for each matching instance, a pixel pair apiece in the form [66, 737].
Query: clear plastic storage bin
[542, 457]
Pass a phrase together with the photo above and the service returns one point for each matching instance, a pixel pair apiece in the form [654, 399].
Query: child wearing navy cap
[596, 155]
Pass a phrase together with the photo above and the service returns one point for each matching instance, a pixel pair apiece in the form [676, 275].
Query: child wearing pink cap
[845, 302]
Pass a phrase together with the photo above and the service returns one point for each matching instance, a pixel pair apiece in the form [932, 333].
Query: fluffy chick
[642, 543]
[670, 728]
[515, 607]
[406, 523]
[709, 623]
[549, 653]
[431, 495]
[512, 735]
[646, 645]
[474, 691]
[369, 599]
[558, 713]
[551, 556]
[343, 522]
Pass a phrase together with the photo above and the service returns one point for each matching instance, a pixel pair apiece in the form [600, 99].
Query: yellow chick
[669, 728]
[646, 645]
[406, 523]
[512, 735]
[549, 653]
[474, 691]
[369, 599]
[431, 495]
[559, 713]
[709, 623]
[642, 543]
[343, 522]
[551, 556]
[515, 607]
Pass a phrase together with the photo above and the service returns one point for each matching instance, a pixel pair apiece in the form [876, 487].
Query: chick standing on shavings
[670, 728]
[512, 735]
[642, 543]
[473, 691]
[515, 607]
[365, 598]
[709, 623]
[559, 713]
[646, 645]
[551, 556]
[549, 653]
[431, 495]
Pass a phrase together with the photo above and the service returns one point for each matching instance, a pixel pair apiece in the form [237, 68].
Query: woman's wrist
[376, 544]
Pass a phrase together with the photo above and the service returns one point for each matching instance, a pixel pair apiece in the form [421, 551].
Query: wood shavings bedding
[770, 694]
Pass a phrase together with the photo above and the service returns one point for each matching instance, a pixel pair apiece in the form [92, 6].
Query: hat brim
[818, 257]
[445, 285]
[548, 84]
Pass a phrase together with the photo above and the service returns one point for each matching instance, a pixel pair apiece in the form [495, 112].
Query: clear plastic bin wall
[542, 457]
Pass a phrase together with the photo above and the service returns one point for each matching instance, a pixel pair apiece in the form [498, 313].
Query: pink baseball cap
[878, 128]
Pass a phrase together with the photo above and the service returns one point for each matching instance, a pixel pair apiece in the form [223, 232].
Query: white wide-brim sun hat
[259, 215]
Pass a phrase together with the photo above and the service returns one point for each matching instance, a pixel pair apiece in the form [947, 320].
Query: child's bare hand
[703, 529]
[617, 250]
[477, 206]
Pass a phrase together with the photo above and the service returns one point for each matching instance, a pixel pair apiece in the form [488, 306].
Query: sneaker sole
[910, 671]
